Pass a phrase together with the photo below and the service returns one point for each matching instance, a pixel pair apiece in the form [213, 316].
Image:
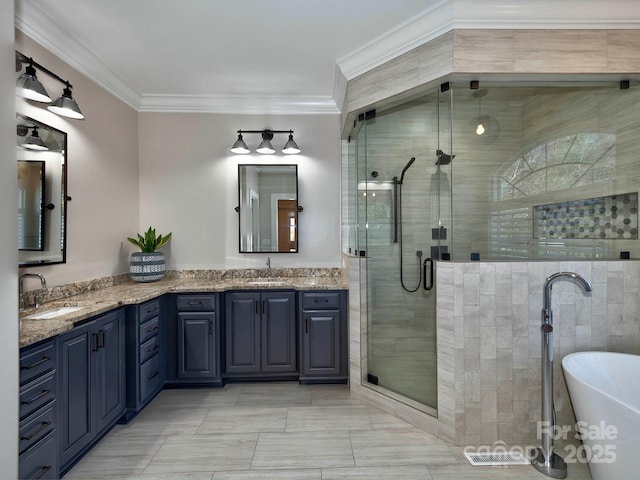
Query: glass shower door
[399, 192]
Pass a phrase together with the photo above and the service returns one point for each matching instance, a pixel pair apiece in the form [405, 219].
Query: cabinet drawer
[37, 426]
[35, 361]
[149, 310]
[150, 377]
[37, 393]
[41, 460]
[196, 303]
[320, 300]
[149, 348]
[149, 329]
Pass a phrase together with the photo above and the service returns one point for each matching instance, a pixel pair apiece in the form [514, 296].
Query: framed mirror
[268, 208]
[31, 188]
[42, 193]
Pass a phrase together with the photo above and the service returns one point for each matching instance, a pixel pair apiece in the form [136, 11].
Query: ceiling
[253, 56]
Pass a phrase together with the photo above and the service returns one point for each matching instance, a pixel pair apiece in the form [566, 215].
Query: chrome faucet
[269, 263]
[43, 284]
[544, 459]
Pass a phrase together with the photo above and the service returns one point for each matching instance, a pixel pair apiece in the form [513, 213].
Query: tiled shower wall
[489, 341]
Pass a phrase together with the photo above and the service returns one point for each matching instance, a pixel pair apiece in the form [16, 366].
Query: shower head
[443, 158]
[406, 167]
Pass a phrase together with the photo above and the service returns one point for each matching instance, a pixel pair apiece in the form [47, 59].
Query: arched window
[566, 162]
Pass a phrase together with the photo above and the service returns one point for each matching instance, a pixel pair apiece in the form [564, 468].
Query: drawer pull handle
[153, 376]
[153, 330]
[42, 427]
[321, 300]
[42, 471]
[194, 304]
[38, 363]
[151, 350]
[40, 395]
[152, 310]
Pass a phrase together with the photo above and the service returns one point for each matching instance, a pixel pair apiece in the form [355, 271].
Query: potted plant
[148, 265]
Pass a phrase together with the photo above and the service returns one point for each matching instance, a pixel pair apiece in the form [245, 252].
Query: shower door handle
[427, 265]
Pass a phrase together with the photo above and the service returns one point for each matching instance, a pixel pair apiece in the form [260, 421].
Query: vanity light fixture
[34, 142]
[265, 147]
[28, 86]
[66, 105]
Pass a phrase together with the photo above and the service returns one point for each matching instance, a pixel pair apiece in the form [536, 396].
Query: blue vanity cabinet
[323, 337]
[145, 354]
[260, 332]
[92, 383]
[193, 341]
[38, 411]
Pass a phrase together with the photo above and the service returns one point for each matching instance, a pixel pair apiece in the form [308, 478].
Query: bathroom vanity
[84, 371]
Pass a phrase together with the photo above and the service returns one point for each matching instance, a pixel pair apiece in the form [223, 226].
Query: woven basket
[147, 267]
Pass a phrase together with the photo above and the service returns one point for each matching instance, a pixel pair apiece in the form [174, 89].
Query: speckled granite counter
[104, 298]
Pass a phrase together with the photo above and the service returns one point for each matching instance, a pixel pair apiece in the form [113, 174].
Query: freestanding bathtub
[605, 392]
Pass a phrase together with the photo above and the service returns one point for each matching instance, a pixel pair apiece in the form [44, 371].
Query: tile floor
[278, 431]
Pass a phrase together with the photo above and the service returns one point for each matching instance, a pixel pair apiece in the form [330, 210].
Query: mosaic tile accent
[612, 217]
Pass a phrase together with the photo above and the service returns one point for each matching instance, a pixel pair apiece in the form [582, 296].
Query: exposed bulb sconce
[34, 142]
[265, 147]
[29, 87]
[480, 127]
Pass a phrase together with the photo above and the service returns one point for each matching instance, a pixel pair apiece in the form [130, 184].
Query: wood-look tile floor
[278, 431]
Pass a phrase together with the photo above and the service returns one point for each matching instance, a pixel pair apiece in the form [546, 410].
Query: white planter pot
[147, 267]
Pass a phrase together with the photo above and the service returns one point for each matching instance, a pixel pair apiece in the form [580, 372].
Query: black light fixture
[28, 86]
[265, 147]
[240, 147]
[34, 142]
[65, 105]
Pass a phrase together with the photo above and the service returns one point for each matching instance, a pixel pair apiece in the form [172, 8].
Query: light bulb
[480, 129]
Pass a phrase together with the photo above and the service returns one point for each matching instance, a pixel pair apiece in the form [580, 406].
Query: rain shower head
[443, 158]
[406, 167]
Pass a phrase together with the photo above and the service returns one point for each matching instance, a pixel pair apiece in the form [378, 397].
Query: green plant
[150, 242]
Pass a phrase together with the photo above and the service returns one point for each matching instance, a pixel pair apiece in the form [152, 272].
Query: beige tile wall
[503, 52]
[489, 344]
[488, 332]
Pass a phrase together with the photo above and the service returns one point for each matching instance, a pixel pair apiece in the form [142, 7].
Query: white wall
[189, 186]
[102, 162]
[8, 253]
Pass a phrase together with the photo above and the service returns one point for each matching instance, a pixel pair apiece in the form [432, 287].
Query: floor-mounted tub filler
[544, 459]
[605, 392]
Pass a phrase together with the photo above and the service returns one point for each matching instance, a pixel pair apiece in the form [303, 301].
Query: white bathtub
[605, 392]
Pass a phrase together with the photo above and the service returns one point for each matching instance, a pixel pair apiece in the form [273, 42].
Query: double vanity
[98, 358]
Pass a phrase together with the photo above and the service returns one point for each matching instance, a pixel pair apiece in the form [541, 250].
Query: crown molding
[242, 104]
[448, 15]
[34, 23]
[441, 18]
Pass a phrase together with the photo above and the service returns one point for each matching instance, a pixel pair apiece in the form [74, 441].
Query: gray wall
[8, 253]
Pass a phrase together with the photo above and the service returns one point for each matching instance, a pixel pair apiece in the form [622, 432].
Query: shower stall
[542, 171]
[402, 202]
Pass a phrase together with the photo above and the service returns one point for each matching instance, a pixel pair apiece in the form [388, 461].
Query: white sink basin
[268, 283]
[56, 312]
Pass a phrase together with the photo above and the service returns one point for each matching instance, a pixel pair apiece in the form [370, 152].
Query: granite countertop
[131, 293]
